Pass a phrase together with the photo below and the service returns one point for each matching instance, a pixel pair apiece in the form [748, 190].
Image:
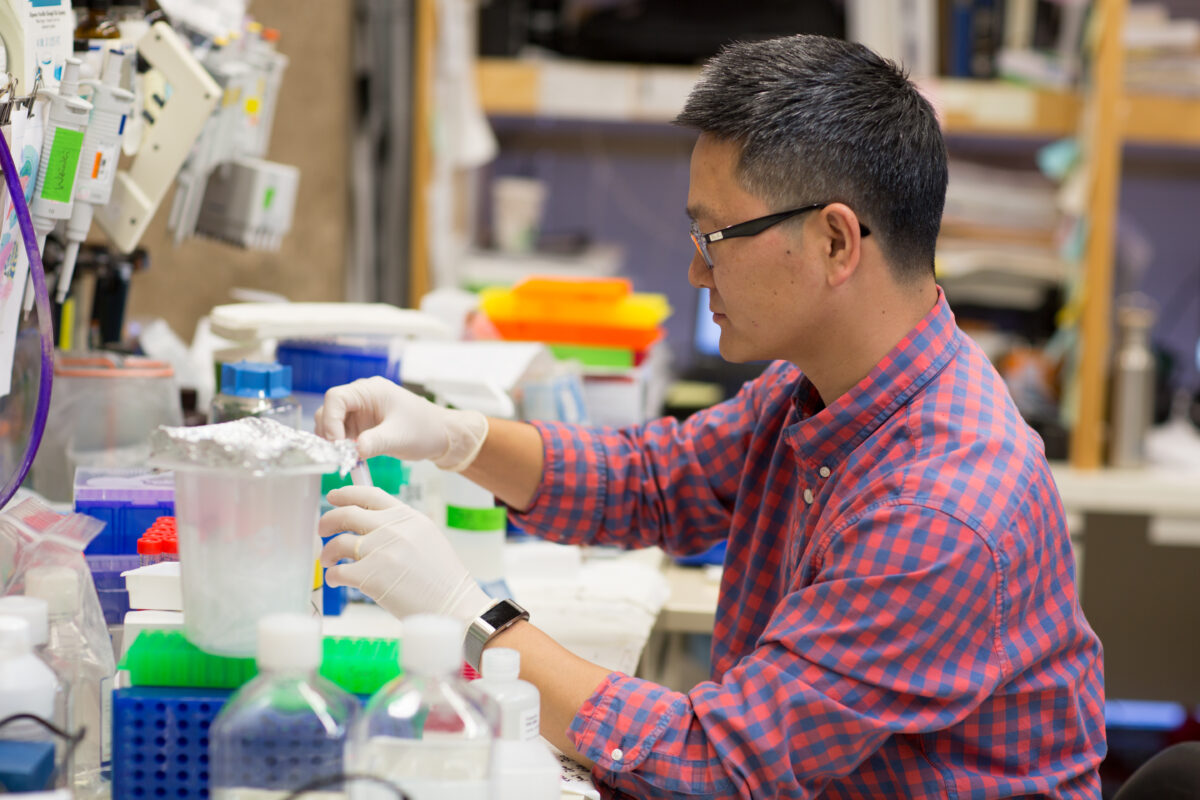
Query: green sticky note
[62, 165]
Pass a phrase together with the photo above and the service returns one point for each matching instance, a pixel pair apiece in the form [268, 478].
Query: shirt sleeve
[666, 483]
[896, 634]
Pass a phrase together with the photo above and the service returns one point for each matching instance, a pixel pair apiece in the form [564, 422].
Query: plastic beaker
[103, 409]
[245, 550]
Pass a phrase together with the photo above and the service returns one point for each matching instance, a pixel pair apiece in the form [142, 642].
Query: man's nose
[699, 275]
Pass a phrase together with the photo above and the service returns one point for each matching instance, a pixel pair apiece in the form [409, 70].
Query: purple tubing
[43, 317]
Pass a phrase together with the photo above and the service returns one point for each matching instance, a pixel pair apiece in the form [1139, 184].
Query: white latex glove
[384, 418]
[402, 560]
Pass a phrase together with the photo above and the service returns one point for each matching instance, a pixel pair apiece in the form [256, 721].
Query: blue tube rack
[160, 741]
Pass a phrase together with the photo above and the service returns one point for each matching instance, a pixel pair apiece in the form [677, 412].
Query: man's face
[762, 291]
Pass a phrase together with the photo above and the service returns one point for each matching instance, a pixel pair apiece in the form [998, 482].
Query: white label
[94, 171]
[106, 686]
[530, 724]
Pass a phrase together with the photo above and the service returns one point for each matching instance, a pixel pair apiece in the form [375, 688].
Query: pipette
[55, 186]
[98, 163]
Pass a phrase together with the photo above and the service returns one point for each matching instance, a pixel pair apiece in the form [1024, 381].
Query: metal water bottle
[1133, 388]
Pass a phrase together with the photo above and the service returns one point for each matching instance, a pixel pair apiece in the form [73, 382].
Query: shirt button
[617, 755]
[808, 496]
[824, 472]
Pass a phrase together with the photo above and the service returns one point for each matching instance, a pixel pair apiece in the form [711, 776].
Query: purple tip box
[127, 501]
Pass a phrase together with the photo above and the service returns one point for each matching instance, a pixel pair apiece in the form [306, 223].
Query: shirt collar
[827, 434]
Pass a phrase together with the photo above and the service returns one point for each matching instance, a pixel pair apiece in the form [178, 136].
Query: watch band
[502, 614]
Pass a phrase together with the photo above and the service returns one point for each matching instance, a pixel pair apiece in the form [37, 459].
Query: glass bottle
[427, 731]
[96, 33]
[288, 726]
[250, 389]
[96, 21]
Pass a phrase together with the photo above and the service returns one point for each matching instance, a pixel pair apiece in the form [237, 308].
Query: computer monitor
[707, 364]
[706, 337]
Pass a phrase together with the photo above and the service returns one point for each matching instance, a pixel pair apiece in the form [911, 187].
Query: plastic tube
[360, 474]
[42, 300]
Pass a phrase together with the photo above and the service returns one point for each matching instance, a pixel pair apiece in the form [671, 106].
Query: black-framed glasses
[751, 227]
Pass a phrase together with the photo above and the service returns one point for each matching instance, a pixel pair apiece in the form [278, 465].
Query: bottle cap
[31, 609]
[149, 546]
[289, 642]
[433, 645]
[170, 545]
[251, 379]
[58, 586]
[501, 664]
[14, 637]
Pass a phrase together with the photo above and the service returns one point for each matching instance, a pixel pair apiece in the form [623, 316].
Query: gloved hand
[401, 560]
[385, 418]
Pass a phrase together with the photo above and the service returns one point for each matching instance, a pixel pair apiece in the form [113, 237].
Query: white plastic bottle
[27, 686]
[85, 675]
[522, 766]
[428, 732]
[517, 700]
[288, 710]
[36, 612]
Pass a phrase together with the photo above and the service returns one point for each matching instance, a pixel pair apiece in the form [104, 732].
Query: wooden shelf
[566, 89]
[1162, 120]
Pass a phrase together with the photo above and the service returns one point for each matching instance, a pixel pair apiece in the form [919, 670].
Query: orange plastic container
[580, 332]
[547, 299]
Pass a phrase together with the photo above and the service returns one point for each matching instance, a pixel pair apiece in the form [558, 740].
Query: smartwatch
[503, 614]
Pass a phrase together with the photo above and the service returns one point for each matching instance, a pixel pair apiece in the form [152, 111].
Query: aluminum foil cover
[257, 444]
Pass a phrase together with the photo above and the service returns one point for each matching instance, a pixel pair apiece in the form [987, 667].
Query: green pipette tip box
[387, 473]
[165, 658]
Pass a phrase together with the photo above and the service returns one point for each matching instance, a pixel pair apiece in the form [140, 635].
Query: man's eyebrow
[693, 212]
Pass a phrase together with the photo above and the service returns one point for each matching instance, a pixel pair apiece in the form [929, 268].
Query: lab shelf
[569, 89]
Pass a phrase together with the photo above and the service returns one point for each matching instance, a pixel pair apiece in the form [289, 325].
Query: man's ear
[841, 242]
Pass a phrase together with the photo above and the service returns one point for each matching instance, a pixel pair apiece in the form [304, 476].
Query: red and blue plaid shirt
[898, 615]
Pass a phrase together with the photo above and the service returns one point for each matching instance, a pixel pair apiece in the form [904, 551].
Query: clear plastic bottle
[85, 675]
[250, 389]
[288, 726]
[27, 686]
[427, 732]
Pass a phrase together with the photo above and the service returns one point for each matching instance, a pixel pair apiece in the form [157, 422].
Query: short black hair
[825, 120]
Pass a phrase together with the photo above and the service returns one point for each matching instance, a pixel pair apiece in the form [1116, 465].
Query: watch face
[500, 616]
[504, 612]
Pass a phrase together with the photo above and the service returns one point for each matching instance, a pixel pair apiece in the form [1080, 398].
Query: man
[898, 615]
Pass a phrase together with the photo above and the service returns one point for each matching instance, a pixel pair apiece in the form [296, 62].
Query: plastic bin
[567, 300]
[127, 500]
